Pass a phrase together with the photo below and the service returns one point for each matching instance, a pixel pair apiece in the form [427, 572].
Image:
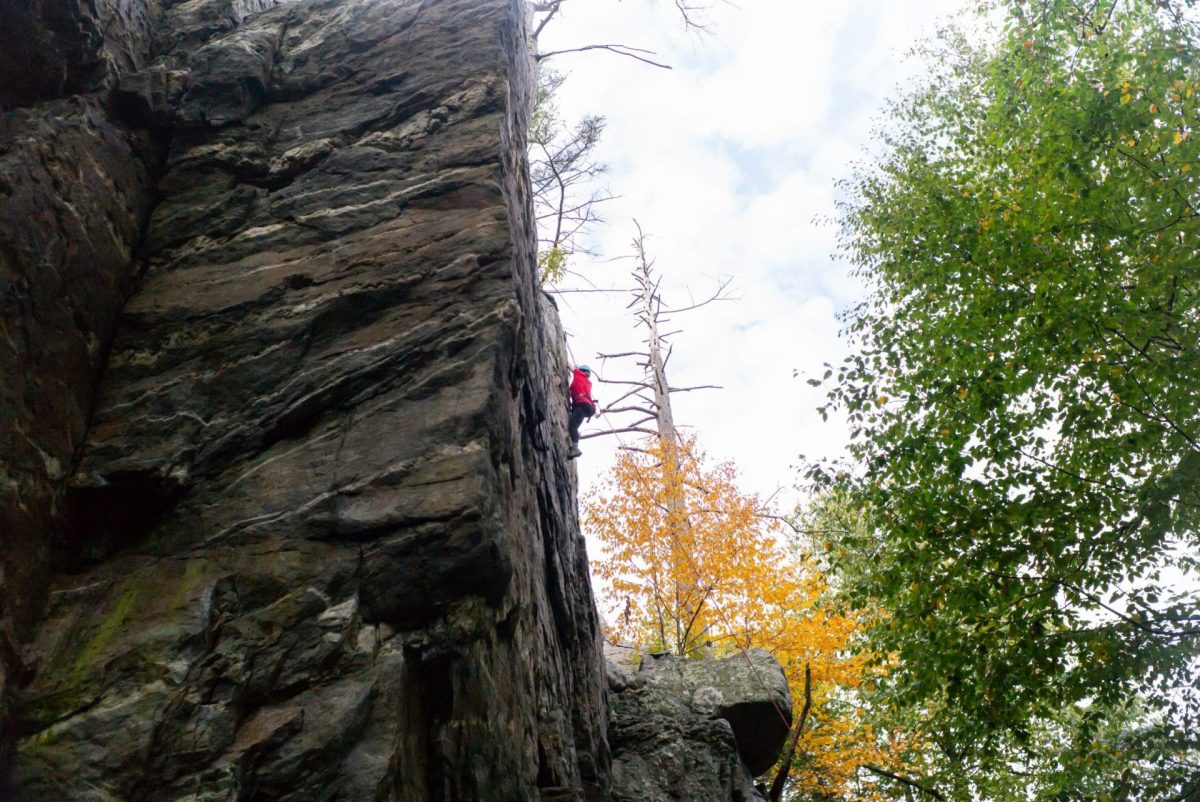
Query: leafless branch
[613, 409]
[557, 291]
[624, 354]
[633, 392]
[551, 7]
[690, 12]
[621, 381]
[697, 387]
[619, 49]
[626, 430]
[718, 295]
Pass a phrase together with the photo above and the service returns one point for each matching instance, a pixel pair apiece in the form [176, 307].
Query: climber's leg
[579, 412]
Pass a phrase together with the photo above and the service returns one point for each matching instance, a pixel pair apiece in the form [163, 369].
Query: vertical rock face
[74, 194]
[320, 539]
[55, 48]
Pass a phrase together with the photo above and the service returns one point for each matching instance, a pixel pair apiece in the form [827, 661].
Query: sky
[729, 161]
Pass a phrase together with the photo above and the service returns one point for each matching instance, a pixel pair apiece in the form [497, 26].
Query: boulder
[699, 730]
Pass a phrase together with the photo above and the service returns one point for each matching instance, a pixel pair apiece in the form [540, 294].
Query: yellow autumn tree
[692, 565]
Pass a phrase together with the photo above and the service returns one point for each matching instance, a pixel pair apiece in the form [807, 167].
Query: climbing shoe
[573, 453]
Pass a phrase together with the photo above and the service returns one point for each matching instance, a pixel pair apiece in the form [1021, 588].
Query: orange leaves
[692, 558]
[693, 564]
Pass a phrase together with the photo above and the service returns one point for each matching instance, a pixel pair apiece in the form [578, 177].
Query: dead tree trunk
[650, 398]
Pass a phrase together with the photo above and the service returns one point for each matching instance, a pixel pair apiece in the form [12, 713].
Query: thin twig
[621, 50]
[553, 9]
[697, 387]
[627, 430]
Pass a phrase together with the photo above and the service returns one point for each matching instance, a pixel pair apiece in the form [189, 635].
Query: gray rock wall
[75, 189]
[699, 730]
[55, 48]
[319, 541]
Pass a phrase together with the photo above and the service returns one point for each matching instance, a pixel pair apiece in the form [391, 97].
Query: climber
[583, 406]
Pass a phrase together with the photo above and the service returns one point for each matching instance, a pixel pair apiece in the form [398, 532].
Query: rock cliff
[284, 500]
[311, 533]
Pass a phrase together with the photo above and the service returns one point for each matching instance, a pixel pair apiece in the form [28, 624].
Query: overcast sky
[729, 161]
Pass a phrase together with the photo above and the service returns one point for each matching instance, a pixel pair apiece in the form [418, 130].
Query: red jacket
[581, 388]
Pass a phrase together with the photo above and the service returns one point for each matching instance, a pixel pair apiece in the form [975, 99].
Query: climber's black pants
[580, 412]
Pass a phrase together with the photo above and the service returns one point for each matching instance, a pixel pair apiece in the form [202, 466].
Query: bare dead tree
[648, 397]
[563, 169]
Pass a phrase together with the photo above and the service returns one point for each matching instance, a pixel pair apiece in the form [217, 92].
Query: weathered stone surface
[748, 690]
[73, 197]
[75, 189]
[694, 729]
[54, 48]
[322, 539]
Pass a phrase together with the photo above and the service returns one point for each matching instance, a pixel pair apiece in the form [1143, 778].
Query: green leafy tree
[1024, 396]
[1070, 751]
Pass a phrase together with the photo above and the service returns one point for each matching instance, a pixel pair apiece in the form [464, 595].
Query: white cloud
[726, 160]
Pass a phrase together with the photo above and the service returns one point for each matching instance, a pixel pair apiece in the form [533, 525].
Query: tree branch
[552, 7]
[616, 410]
[557, 291]
[776, 792]
[697, 387]
[621, 50]
[634, 391]
[623, 354]
[627, 430]
[718, 295]
[619, 381]
[911, 783]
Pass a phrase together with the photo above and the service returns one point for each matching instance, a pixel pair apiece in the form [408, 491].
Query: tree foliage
[695, 566]
[1025, 406]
